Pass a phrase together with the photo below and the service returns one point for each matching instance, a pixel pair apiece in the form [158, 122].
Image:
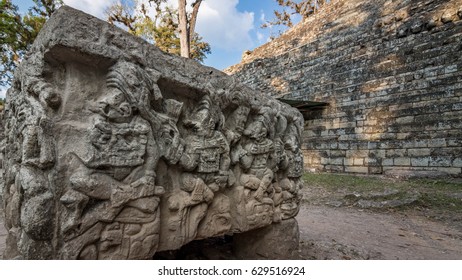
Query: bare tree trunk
[183, 28]
[186, 26]
[192, 21]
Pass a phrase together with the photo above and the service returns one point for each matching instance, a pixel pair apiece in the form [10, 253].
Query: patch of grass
[340, 181]
[441, 201]
[434, 194]
[446, 185]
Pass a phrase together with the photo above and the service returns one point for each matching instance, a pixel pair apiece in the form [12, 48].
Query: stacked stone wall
[391, 72]
[2, 136]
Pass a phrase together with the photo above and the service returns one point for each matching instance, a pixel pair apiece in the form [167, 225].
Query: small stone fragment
[416, 27]
[447, 17]
[432, 23]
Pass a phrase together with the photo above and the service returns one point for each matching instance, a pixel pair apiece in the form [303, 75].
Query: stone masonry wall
[1, 155]
[391, 72]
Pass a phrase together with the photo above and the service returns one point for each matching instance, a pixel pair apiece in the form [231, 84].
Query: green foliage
[304, 8]
[160, 28]
[18, 32]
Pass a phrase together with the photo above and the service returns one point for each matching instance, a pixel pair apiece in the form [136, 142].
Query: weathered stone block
[375, 170]
[116, 150]
[387, 162]
[377, 153]
[439, 142]
[358, 161]
[336, 161]
[450, 170]
[343, 145]
[357, 153]
[457, 162]
[372, 145]
[357, 169]
[396, 153]
[280, 241]
[418, 152]
[403, 136]
[420, 161]
[422, 143]
[337, 153]
[348, 161]
[402, 161]
[404, 120]
[372, 161]
[443, 161]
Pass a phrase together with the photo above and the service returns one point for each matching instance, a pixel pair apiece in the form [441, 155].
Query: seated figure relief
[117, 151]
[205, 162]
[119, 178]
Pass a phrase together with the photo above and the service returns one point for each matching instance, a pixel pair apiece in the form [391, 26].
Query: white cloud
[260, 37]
[223, 26]
[262, 16]
[92, 7]
[219, 22]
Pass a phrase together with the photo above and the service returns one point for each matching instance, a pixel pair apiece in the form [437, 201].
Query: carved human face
[113, 106]
[232, 136]
[170, 142]
[291, 143]
[203, 123]
[256, 130]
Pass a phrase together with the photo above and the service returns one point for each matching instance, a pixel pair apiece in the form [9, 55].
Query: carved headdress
[139, 87]
[133, 82]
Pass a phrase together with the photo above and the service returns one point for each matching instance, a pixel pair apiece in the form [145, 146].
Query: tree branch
[192, 21]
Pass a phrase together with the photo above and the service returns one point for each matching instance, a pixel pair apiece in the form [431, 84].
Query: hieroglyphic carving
[111, 157]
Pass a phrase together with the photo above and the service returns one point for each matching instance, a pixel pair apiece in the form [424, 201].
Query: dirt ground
[349, 217]
[349, 233]
[341, 232]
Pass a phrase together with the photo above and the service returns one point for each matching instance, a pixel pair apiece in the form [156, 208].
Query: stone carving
[255, 160]
[205, 163]
[120, 174]
[291, 183]
[115, 150]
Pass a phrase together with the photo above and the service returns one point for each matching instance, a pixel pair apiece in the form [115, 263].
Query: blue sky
[229, 26]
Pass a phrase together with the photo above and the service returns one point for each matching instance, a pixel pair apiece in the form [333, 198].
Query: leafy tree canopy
[159, 27]
[303, 8]
[18, 32]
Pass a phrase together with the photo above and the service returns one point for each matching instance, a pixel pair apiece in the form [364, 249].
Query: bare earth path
[349, 233]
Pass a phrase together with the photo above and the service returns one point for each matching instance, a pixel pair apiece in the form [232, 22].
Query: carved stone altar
[115, 150]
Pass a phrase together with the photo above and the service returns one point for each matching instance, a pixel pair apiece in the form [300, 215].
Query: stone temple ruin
[115, 150]
[386, 80]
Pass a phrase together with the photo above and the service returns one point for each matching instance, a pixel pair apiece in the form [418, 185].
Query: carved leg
[74, 202]
[265, 182]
